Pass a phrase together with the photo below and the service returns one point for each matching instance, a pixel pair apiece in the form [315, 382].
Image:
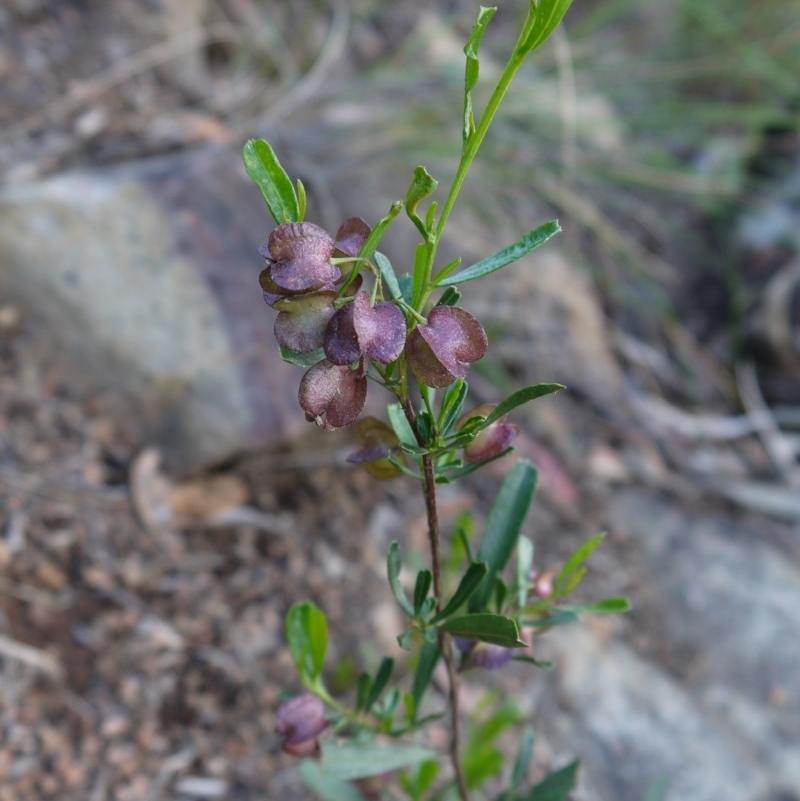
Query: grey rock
[708, 696]
[145, 279]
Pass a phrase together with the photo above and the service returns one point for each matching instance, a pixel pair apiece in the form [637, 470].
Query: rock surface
[707, 700]
[145, 277]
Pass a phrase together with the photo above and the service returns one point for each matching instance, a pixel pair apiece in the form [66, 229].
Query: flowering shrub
[348, 319]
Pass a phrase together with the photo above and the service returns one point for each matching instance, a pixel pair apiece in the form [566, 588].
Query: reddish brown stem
[445, 643]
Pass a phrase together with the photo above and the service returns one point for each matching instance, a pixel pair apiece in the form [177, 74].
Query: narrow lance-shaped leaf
[325, 787]
[525, 550]
[362, 690]
[393, 566]
[555, 787]
[472, 68]
[503, 526]
[402, 428]
[574, 564]
[421, 587]
[301, 200]
[519, 398]
[458, 473]
[543, 18]
[608, 606]
[522, 762]
[486, 627]
[508, 255]
[307, 637]
[269, 176]
[468, 584]
[368, 248]
[352, 760]
[452, 405]
[428, 657]
[381, 679]
[388, 275]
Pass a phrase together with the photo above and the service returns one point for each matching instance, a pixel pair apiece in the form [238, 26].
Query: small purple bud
[543, 584]
[487, 656]
[492, 440]
[300, 254]
[351, 236]
[438, 353]
[333, 395]
[300, 721]
[378, 441]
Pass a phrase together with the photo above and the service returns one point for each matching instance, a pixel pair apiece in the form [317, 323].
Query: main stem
[445, 643]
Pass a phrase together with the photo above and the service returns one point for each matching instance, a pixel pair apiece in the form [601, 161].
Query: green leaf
[573, 580]
[326, 788]
[555, 787]
[532, 240]
[525, 551]
[394, 565]
[387, 274]
[354, 759]
[381, 679]
[503, 717]
[428, 657]
[500, 594]
[362, 690]
[452, 405]
[422, 185]
[463, 531]
[608, 606]
[472, 68]
[480, 765]
[307, 636]
[484, 626]
[421, 587]
[430, 216]
[450, 297]
[523, 760]
[573, 564]
[298, 359]
[416, 784]
[420, 273]
[468, 584]
[543, 18]
[460, 472]
[556, 617]
[301, 200]
[542, 664]
[368, 248]
[518, 398]
[503, 526]
[401, 427]
[267, 173]
[426, 426]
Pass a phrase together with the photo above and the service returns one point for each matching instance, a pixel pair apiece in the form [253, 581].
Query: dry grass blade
[779, 448]
[34, 658]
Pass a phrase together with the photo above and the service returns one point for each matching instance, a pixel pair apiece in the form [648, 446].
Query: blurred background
[162, 501]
